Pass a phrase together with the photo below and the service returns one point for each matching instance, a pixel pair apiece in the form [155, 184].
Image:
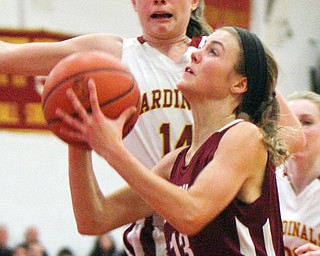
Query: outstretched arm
[39, 58]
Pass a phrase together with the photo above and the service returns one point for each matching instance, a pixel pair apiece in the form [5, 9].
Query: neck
[208, 121]
[301, 173]
[173, 48]
[210, 115]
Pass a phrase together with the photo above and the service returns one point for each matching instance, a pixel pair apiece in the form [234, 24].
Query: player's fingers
[308, 248]
[73, 134]
[93, 96]
[127, 114]
[77, 106]
[69, 120]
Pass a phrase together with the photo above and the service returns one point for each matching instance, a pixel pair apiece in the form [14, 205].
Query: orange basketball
[116, 89]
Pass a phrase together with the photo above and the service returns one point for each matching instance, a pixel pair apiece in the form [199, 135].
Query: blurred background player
[299, 181]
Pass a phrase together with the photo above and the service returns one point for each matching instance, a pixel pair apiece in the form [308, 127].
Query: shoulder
[243, 152]
[244, 139]
[242, 131]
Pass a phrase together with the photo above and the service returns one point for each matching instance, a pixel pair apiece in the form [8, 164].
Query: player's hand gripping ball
[116, 89]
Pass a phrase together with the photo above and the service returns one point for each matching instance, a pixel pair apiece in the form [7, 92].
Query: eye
[213, 51]
[306, 122]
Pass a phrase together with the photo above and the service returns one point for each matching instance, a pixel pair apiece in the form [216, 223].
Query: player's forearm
[173, 203]
[87, 198]
[96, 213]
[26, 59]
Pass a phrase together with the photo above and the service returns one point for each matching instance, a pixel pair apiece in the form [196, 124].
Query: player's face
[308, 114]
[164, 19]
[211, 73]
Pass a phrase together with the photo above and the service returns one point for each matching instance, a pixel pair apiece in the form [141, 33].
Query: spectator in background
[299, 181]
[104, 245]
[4, 238]
[35, 248]
[65, 251]
[32, 241]
[31, 235]
[20, 250]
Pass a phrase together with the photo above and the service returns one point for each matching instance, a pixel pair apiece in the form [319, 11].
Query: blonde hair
[306, 95]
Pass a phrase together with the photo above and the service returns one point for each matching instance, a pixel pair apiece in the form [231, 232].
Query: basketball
[116, 89]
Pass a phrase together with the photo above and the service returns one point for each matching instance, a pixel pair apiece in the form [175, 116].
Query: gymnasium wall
[33, 166]
[291, 30]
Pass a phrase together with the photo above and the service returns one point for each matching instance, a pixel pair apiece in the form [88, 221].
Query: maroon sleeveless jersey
[241, 228]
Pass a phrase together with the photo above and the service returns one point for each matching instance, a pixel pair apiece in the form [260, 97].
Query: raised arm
[39, 58]
[293, 134]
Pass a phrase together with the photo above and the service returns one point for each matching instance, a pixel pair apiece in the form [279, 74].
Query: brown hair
[197, 24]
[263, 112]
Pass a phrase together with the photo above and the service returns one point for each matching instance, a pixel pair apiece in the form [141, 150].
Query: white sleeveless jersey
[165, 123]
[165, 115]
[300, 213]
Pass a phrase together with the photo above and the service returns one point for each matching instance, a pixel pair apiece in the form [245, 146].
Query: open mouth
[161, 15]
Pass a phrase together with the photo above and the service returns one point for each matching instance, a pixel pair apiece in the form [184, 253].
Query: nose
[196, 56]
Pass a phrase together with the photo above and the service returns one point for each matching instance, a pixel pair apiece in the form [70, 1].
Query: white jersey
[164, 124]
[165, 115]
[300, 213]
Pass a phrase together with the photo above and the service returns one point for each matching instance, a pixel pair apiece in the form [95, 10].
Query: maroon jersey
[241, 228]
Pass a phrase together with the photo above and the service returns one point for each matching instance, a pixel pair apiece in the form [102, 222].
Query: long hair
[259, 104]
[197, 24]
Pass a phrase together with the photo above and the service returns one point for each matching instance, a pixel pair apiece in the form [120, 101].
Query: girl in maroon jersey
[219, 195]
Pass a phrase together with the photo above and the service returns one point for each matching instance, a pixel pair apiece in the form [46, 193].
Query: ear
[194, 4]
[241, 86]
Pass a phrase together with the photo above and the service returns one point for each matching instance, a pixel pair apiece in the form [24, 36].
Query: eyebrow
[214, 42]
[304, 115]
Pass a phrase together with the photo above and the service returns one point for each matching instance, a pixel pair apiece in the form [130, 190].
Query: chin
[180, 84]
[183, 83]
